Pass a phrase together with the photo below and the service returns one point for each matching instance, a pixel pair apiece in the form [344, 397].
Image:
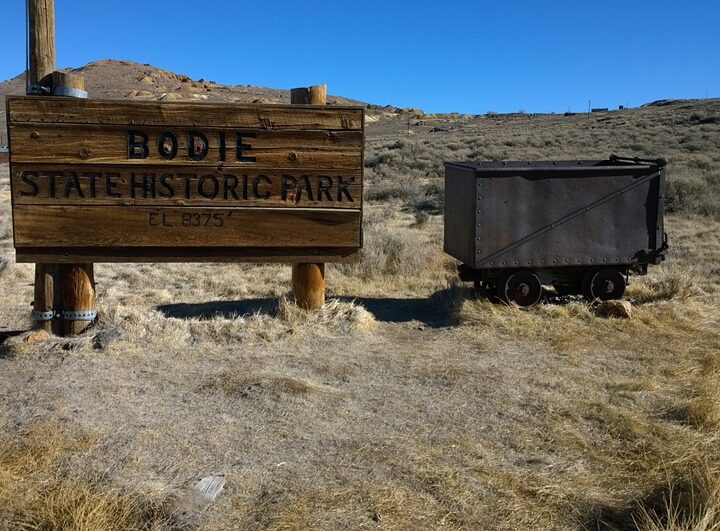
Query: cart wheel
[521, 288]
[603, 284]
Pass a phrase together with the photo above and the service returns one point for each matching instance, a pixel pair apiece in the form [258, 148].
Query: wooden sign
[107, 181]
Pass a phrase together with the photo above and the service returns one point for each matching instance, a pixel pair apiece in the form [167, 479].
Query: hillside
[114, 79]
[404, 158]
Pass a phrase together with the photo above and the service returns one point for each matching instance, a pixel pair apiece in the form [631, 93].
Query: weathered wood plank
[110, 145]
[111, 226]
[98, 180]
[58, 255]
[46, 184]
[154, 113]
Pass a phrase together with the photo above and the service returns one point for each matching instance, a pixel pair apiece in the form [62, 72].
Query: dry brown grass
[334, 316]
[39, 492]
[690, 503]
[651, 424]
[406, 403]
[244, 384]
[408, 167]
[670, 283]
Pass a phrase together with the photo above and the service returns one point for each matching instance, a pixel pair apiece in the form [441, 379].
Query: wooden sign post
[128, 181]
[66, 291]
[308, 279]
[149, 181]
[41, 21]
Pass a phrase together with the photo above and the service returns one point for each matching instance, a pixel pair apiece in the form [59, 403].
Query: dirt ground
[406, 403]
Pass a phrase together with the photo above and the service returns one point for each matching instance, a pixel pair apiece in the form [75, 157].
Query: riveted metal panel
[460, 215]
[560, 213]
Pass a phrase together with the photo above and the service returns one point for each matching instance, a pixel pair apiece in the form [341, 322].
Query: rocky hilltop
[117, 79]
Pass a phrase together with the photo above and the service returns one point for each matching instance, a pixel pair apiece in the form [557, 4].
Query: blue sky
[448, 55]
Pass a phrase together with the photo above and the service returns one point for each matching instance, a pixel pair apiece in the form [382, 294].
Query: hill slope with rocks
[118, 79]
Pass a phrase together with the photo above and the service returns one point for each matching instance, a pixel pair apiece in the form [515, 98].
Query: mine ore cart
[582, 226]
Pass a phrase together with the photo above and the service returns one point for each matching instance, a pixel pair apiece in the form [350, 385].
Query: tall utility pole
[41, 44]
[61, 291]
[41, 64]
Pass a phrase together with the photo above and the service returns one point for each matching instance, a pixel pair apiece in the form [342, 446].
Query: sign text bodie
[106, 180]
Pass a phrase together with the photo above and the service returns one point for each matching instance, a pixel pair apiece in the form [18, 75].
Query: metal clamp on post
[80, 315]
[38, 90]
[42, 315]
[70, 92]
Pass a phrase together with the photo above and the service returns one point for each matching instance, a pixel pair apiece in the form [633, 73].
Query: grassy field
[407, 402]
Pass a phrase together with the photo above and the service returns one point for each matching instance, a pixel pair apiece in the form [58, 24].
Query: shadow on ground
[226, 309]
[680, 498]
[433, 311]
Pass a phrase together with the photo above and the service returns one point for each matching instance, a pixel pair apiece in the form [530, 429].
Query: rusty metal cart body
[582, 225]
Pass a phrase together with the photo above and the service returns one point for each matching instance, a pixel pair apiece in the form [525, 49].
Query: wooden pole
[41, 28]
[64, 83]
[47, 300]
[78, 297]
[78, 280]
[308, 280]
[69, 288]
[314, 95]
[41, 22]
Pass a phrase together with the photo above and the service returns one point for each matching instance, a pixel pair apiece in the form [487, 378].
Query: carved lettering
[167, 145]
[211, 191]
[230, 184]
[242, 148]
[245, 187]
[221, 142]
[139, 184]
[91, 178]
[137, 149]
[342, 189]
[304, 184]
[187, 177]
[197, 145]
[288, 183]
[324, 186]
[72, 183]
[257, 181]
[52, 175]
[26, 178]
[147, 185]
[166, 189]
[111, 185]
